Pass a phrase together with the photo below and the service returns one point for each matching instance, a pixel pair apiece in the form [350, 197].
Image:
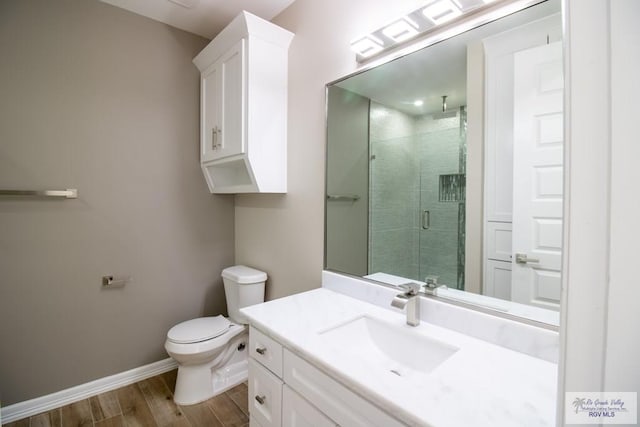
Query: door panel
[538, 171]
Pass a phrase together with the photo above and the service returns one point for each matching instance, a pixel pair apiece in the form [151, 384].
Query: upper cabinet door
[210, 111]
[223, 106]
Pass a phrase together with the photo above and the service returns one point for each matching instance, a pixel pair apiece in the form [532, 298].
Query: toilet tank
[243, 286]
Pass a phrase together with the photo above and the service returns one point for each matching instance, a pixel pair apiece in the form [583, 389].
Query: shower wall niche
[417, 194]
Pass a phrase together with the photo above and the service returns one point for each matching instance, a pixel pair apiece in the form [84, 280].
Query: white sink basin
[387, 347]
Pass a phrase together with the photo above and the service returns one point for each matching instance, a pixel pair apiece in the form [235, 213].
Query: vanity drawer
[265, 396]
[340, 404]
[297, 412]
[266, 351]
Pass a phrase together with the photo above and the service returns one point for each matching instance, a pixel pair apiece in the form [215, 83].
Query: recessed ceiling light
[418, 102]
[441, 11]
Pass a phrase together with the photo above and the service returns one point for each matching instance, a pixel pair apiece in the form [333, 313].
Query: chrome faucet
[409, 299]
[432, 286]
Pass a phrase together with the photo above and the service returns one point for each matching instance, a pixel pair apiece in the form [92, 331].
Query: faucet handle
[410, 288]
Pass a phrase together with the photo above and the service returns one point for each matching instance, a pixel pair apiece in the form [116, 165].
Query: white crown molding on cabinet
[60, 398]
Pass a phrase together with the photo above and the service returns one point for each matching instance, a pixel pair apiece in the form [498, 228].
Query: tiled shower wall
[393, 193]
[438, 142]
[409, 155]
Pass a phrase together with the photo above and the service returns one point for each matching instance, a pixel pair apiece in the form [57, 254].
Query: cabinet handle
[261, 350]
[261, 399]
[214, 137]
[219, 137]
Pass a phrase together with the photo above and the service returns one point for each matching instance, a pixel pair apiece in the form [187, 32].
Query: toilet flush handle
[261, 350]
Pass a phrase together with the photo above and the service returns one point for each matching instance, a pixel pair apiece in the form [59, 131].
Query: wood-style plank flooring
[148, 403]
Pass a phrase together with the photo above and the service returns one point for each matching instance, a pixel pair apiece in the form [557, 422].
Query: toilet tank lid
[243, 274]
[200, 329]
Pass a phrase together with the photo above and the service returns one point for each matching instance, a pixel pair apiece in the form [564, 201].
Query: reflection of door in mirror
[537, 176]
[523, 228]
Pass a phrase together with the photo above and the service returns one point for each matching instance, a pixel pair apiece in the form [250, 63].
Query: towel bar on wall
[70, 193]
[349, 197]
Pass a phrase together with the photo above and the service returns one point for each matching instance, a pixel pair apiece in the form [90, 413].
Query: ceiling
[203, 17]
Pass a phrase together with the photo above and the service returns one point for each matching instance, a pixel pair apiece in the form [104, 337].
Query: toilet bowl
[211, 351]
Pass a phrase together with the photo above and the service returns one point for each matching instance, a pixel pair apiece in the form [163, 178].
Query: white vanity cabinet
[243, 107]
[286, 390]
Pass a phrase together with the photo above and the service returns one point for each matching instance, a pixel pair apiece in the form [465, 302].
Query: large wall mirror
[445, 166]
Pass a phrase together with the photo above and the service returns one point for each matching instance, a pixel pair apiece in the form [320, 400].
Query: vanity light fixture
[441, 11]
[401, 30]
[367, 46]
[427, 17]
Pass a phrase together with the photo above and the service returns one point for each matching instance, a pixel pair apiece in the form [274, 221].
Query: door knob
[524, 259]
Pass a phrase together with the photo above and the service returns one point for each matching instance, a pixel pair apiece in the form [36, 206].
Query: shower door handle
[426, 220]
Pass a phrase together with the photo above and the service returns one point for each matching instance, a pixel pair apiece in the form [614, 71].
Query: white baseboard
[35, 406]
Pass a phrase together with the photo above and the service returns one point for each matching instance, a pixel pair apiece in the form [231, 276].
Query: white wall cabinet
[243, 107]
[301, 395]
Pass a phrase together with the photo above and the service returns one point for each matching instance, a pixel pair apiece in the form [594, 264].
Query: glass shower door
[441, 150]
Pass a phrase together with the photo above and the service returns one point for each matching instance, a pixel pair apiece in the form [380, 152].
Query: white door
[537, 175]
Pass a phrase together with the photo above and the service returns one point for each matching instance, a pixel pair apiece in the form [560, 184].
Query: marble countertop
[481, 384]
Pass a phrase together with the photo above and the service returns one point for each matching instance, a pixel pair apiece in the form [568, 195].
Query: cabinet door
[223, 101]
[297, 412]
[231, 133]
[210, 112]
[332, 398]
[265, 396]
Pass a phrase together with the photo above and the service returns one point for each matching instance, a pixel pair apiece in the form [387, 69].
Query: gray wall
[348, 174]
[106, 101]
[284, 235]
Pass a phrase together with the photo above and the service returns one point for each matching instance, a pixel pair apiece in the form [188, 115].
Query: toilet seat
[198, 330]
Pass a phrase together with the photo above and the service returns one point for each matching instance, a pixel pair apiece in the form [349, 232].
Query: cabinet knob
[261, 350]
[261, 399]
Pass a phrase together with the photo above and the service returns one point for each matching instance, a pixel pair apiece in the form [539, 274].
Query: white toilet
[210, 351]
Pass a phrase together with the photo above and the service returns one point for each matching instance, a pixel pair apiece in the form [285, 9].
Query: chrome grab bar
[342, 197]
[70, 193]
